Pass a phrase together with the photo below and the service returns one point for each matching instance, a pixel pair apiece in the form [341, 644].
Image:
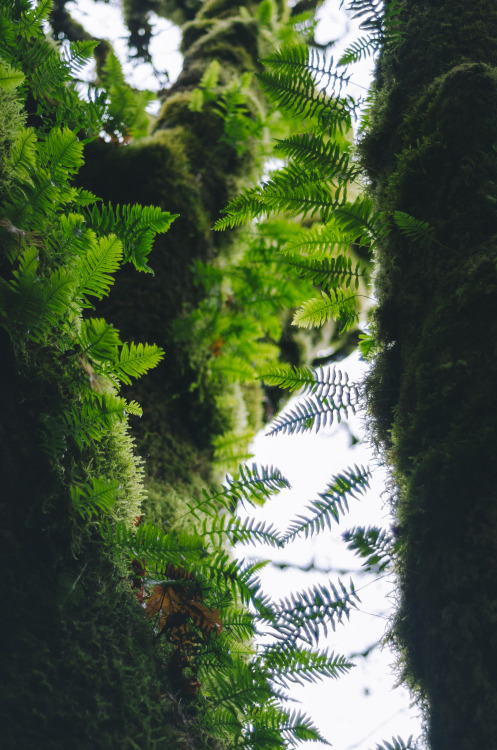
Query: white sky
[363, 708]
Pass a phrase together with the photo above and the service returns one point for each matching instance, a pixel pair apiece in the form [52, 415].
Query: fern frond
[360, 220]
[97, 266]
[136, 227]
[397, 744]
[298, 96]
[239, 623]
[23, 154]
[99, 340]
[311, 151]
[337, 304]
[319, 241]
[300, 60]
[414, 229]
[229, 448]
[248, 531]
[377, 547]
[233, 368]
[100, 496]
[61, 153]
[10, 78]
[305, 615]
[135, 360]
[365, 46]
[253, 485]
[333, 501]
[314, 412]
[272, 726]
[296, 664]
[322, 382]
[329, 273]
[154, 544]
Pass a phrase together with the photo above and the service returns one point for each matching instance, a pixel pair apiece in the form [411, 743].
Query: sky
[363, 708]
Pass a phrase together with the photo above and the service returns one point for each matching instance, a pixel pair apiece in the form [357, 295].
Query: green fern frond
[365, 46]
[337, 304]
[100, 496]
[232, 448]
[78, 54]
[319, 241]
[248, 531]
[296, 664]
[274, 727]
[239, 623]
[136, 227]
[329, 273]
[153, 543]
[90, 421]
[300, 60]
[135, 360]
[414, 229]
[10, 78]
[360, 220]
[314, 412]
[99, 340]
[23, 153]
[312, 151]
[61, 153]
[30, 20]
[305, 615]
[97, 266]
[333, 501]
[299, 97]
[240, 209]
[377, 547]
[321, 381]
[233, 368]
[252, 485]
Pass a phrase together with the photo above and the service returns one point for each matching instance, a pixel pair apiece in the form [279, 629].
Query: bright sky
[363, 708]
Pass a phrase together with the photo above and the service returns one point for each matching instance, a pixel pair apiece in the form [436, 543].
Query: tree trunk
[431, 153]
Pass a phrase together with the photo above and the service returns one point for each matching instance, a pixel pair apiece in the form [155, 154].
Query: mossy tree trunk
[431, 153]
[186, 166]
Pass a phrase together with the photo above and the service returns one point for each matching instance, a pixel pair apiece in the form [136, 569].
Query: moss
[431, 154]
[11, 121]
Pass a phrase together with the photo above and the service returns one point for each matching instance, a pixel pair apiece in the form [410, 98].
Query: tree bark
[431, 153]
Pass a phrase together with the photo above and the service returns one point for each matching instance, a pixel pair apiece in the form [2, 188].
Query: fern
[314, 412]
[97, 266]
[98, 497]
[136, 227]
[307, 614]
[377, 547]
[329, 273]
[295, 664]
[135, 360]
[336, 304]
[297, 94]
[396, 744]
[414, 229]
[312, 151]
[321, 240]
[332, 502]
[238, 531]
[252, 485]
[329, 381]
[10, 78]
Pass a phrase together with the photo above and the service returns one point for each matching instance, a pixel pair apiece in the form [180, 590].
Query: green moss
[11, 121]
[431, 154]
